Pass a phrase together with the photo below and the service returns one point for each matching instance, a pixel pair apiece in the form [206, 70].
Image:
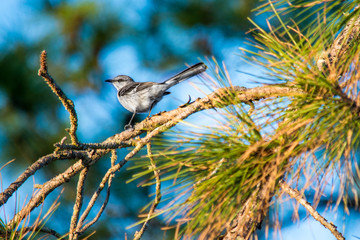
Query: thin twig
[297, 196]
[78, 201]
[102, 206]
[68, 103]
[108, 177]
[113, 158]
[138, 234]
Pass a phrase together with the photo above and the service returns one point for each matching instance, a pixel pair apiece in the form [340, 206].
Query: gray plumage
[141, 97]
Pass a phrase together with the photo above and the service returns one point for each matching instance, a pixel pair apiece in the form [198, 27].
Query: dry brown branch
[249, 216]
[298, 197]
[40, 163]
[103, 206]
[47, 188]
[80, 228]
[138, 234]
[78, 201]
[96, 218]
[68, 103]
[330, 61]
[85, 146]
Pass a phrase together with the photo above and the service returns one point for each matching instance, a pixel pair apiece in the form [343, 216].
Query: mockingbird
[141, 97]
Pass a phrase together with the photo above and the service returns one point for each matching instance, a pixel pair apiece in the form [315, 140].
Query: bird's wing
[134, 87]
[128, 88]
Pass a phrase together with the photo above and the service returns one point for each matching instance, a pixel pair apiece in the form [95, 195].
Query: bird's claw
[187, 103]
[159, 113]
[128, 127]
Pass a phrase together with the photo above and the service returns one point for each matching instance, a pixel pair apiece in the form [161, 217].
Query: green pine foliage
[316, 133]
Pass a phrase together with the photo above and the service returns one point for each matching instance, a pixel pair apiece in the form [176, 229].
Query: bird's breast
[139, 104]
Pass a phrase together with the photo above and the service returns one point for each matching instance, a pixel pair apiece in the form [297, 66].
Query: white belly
[130, 103]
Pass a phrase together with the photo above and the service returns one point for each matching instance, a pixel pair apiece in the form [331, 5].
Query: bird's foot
[128, 127]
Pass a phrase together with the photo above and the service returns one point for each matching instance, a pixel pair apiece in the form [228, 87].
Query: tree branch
[78, 201]
[96, 218]
[48, 187]
[68, 103]
[218, 99]
[138, 234]
[297, 196]
[40, 163]
[107, 178]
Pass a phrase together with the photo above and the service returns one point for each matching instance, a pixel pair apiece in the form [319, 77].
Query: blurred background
[88, 42]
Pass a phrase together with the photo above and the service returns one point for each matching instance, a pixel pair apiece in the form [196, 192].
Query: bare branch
[217, 99]
[108, 177]
[68, 103]
[138, 234]
[297, 196]
[78, 201]
[109, 174]
[102, 206]
[48, 187]
[40, 163]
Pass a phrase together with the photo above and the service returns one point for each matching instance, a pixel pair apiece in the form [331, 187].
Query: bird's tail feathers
[187, 73]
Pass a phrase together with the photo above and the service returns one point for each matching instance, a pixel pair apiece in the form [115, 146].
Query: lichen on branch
[67, 103]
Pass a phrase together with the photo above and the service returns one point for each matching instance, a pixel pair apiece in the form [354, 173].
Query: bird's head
[120, 81]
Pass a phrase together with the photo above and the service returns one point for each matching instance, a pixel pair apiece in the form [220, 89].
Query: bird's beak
[108, 80]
